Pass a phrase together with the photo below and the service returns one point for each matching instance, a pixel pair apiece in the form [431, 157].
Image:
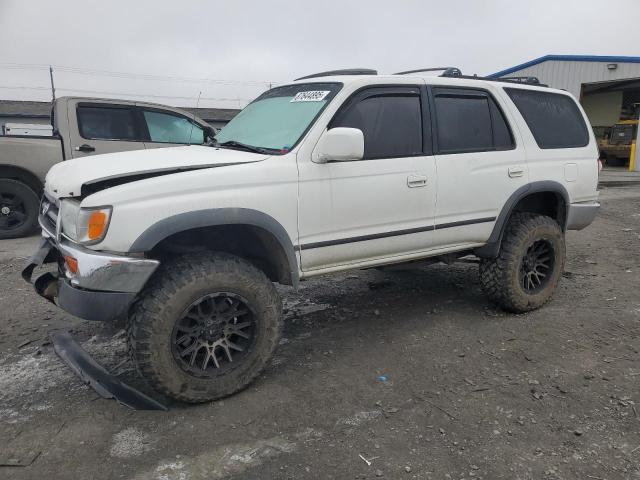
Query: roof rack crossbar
[347, 71]
[446, 71]
[528, 79]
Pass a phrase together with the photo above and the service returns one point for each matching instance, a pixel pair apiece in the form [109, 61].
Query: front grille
[48, 216]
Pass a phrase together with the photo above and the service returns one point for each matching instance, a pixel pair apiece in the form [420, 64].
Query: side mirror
[209, 134]
[339, 144]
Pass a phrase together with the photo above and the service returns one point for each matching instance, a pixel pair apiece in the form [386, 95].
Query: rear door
[96, 128]
[478, 160]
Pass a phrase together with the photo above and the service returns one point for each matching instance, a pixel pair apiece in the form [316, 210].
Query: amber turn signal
[71, 263]
[96, 224]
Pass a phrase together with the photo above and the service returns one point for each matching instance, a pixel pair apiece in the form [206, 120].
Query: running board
[97, 377]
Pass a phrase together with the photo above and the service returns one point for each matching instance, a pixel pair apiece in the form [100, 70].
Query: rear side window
[391, 124]
[469, 121]
[554, 119]
[106, 123]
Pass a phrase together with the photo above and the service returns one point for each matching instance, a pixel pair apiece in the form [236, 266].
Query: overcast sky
[243, 42]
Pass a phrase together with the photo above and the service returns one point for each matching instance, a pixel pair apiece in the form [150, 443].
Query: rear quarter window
[554, 119]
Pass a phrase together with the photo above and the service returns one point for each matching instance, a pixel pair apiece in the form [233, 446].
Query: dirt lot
[468, 391]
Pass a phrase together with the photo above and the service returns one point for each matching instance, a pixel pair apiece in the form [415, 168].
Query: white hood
[66, 179]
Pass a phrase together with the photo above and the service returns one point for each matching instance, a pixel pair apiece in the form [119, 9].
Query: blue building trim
[566, 58]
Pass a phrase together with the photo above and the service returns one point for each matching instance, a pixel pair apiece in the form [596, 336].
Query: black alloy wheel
[13, 212]
[213, 335]
[18, 209]
[536, 265]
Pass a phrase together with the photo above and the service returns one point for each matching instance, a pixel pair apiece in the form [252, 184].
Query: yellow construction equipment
[616, 148]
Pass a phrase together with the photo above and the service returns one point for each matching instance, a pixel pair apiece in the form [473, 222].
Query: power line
[25, 88]
[139, 76]
[140, 95]
[101, 92]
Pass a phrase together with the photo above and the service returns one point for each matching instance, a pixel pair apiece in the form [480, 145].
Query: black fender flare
[218, 216]
[492, 247]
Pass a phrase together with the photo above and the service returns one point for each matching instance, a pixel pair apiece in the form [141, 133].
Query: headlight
[84, 225]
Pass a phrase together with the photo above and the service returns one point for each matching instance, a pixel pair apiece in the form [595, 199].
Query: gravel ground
[381, 374]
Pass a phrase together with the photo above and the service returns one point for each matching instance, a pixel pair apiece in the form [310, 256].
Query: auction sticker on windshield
[310, 96]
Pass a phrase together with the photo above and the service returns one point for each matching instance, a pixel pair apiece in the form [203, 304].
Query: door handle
[516, 171]
[414, 181]
[85, 148]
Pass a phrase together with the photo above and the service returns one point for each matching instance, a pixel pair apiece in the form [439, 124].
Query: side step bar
[97, 377]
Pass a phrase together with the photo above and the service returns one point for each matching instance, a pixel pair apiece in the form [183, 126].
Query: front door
[167, 129]
[359, 212]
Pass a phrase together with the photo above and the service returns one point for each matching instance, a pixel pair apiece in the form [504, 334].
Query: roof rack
[452, 72]
[446, 71]
[347, 71]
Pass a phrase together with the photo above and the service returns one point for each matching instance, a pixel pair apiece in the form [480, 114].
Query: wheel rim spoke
[234, 346]
[537, 262]
[189, 349]
[213, 335]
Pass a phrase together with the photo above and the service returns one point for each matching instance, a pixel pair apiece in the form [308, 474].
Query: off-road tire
[29, 203]
[175, 286]
[500, 277]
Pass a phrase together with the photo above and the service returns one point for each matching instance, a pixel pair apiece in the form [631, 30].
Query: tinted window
[502, 139]
[391, 124]
[464, 123]
[470, 120]
[106, 123]
[167, 128]
[554, 119]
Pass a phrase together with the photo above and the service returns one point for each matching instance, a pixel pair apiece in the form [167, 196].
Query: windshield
[278, 118]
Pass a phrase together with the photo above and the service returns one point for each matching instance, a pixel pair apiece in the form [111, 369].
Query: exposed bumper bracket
[97, 377]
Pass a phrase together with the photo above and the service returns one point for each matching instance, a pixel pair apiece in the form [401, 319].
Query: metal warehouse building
[608, 88]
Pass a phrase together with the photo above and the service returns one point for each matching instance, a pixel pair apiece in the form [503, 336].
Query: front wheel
[528, 268]
[205, 327]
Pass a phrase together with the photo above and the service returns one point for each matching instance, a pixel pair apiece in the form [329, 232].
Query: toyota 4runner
[335, 171]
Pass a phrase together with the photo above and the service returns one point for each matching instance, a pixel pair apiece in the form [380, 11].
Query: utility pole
[53, 88]
[636, 160]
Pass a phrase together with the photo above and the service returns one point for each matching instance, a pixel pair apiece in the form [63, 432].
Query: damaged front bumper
[101, 287]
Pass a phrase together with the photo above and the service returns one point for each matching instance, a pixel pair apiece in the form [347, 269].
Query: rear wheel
[205, 327]
[526, 272]
[18, 209]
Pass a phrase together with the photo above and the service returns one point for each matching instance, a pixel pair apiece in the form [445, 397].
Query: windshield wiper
[242, 146]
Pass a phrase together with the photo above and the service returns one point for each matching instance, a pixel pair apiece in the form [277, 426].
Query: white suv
[336, 171]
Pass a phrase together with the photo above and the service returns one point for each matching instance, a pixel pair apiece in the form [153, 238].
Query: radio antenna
[194, 117]
[53, 88]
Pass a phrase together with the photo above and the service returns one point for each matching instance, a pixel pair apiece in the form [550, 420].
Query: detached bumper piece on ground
[97, 377]
[90, 372]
